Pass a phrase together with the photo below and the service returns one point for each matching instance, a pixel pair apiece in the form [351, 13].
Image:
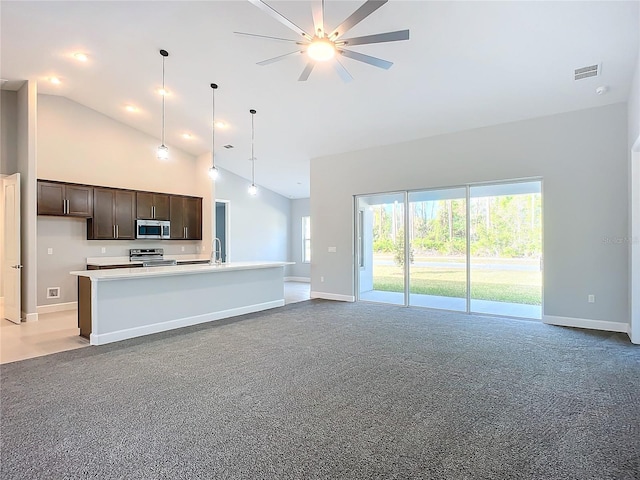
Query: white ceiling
[467, 65]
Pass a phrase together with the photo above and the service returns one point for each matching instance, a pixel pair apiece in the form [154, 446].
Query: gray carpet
[329, 390]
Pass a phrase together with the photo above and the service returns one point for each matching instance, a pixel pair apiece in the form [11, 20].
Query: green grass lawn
[496, 285]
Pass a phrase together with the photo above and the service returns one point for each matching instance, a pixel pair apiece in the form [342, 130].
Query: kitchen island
[121, 303]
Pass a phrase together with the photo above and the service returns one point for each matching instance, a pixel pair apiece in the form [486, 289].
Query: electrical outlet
[49, 251]
[322, 279]
[104, 250]
[591, 299]
[53, 292]
[182, 249]
[332, 250]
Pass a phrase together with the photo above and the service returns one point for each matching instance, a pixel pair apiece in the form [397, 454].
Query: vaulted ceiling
[466, 65]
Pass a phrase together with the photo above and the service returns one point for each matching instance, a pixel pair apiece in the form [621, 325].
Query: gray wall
[8, 132]
[258, 226]
[582, 158]
[300, 207]
[67, 237]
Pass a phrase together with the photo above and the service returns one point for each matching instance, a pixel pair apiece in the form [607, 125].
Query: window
[306, 239]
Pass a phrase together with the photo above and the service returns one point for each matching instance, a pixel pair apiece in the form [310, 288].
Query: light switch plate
[49, 251]
[332, 249]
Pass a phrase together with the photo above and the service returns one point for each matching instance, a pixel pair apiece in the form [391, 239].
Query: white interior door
[12, 266]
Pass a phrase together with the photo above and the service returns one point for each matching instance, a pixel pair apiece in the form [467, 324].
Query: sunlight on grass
[511, 286]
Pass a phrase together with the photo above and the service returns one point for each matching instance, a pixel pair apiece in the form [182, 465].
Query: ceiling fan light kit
[322, 47]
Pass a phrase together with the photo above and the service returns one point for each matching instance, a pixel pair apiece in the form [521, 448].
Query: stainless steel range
[150, 257]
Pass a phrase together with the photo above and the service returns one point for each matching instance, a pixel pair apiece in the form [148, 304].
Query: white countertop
[107, 261]
[137, 272]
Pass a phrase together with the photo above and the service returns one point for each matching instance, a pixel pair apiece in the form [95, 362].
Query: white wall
[258, 226]
[582, 157]
[300, 207]
[77, 144]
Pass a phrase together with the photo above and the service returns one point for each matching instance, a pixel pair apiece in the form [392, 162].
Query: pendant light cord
[213, 135]
[253, 158]
[164, 94]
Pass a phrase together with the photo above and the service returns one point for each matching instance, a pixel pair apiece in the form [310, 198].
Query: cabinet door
[193, 218]
[144, 205]
[79, 200]
[177, 217]
[103, 222]
[124, 210]
[50, 198]
[161, 206]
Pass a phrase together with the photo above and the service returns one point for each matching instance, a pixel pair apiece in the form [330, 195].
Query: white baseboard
[57, 307]
[586, 323]
[297, 279]
[104, 338]
[29, 317]
[333, 296]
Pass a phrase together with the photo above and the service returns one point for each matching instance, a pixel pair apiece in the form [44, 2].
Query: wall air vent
[586, 72]
[228, 146]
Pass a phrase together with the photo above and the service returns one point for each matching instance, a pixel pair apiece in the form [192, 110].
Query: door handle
[153, 212]
[17, 267]
[117, 231]
[64, 207]
[185, 232]
[114, 231]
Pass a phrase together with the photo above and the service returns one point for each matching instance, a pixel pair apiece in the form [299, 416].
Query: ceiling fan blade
[344, 75]
[376, 62]
[306, 72]
[356, 17]
[278, 16]
[377, 38]
[318, 18]
[278, 58]
[266, 36]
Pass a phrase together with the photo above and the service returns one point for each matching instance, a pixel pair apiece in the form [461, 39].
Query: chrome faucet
[216, 252]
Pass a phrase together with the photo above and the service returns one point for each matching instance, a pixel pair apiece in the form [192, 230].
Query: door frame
[227, 226]
[11, 272]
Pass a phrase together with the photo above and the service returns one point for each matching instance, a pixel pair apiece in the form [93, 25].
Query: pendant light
[253, 190]
[213, 171]
[163, 151]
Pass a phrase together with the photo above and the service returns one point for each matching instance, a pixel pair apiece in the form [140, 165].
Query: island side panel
[131, 307]
[84, 306]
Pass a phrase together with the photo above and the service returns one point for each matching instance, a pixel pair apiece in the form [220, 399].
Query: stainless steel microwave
[153, 229]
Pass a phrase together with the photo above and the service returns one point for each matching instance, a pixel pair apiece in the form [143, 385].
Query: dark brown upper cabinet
[64, 199]
[113, 215]
[186, 218]
[152, 206]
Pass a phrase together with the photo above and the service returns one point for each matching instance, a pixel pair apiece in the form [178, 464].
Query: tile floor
[57, 332]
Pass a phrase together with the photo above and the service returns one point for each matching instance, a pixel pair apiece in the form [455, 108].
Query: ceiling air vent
[228, 146]
[586, 72]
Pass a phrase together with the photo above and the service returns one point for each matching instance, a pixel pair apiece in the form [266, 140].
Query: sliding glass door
[438, 255]
[380, 248]
[475, 248]
[506, 249]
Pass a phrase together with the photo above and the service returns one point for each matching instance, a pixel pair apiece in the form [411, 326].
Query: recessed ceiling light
[131, 108]
[81, 57]
[187, 136]
[55, 80]
[163, 91]
[220, 124]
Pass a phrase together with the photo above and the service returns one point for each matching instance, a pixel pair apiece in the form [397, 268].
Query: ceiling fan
[326, 45]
